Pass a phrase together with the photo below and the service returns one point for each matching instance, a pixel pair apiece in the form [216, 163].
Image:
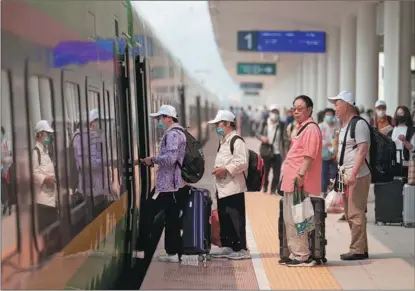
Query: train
[60, 60]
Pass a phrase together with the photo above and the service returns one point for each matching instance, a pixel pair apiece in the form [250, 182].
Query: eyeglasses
[299, 109]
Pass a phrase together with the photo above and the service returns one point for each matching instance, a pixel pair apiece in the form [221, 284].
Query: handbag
[266, 150]
[302, 211]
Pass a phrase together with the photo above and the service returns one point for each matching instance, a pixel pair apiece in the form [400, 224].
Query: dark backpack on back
[256, 171]
[193, 166]
[382, 153]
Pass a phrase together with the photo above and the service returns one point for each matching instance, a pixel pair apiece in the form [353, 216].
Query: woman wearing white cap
[44, 176]
[231, 185]
[382, 121]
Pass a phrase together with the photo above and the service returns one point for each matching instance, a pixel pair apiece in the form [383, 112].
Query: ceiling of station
[228, 17]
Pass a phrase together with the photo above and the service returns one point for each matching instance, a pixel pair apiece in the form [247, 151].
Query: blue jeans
[329, 171]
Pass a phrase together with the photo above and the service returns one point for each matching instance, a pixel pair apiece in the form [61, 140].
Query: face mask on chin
[380, 113]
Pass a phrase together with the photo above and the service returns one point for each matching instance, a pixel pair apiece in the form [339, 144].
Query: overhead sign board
[256, 69]
[251, 93]
[251, 85]
[282, 41]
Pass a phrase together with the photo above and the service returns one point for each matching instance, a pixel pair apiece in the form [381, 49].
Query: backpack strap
[232, 143]
[38, 154]
[304, 127]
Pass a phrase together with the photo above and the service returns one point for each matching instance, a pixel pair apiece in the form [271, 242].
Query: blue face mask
[289, 119]
[329, 118]
[220, 131]
[161, 125]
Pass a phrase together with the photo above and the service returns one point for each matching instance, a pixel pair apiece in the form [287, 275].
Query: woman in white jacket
[230, 165]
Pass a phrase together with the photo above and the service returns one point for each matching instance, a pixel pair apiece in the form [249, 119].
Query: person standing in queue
[229, 170]
[382, 121]
[356, 174]
[274, 143]
[44, 177]
[169, 180]
[302, 164]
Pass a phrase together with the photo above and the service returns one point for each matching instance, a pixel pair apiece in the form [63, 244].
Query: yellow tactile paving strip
[263, 211]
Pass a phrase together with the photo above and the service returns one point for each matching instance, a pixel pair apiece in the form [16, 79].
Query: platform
[390, 267]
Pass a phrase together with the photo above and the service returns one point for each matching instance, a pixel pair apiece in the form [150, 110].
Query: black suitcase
[389, 201]
[196, 225]
[317, 237]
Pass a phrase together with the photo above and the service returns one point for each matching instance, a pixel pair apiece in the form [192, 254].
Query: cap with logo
[43, 125]
[167, 110]
[223, 115]
[346, 96]
[380, 103]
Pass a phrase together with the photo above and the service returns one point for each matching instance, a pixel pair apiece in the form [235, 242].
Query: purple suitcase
[196, 226]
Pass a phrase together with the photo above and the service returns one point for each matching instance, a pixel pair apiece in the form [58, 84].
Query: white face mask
[380, 113]
[274, 116]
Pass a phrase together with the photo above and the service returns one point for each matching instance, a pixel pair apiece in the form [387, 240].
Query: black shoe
[295, 263]
[343, 218]
[265, 190]
[284, 261]
[366, 255]
[353, 257]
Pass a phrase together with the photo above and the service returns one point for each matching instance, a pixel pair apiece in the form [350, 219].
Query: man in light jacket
[230, 170]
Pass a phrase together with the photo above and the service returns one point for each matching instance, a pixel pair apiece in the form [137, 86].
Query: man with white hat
[354, 172]
[382, 121]
[274, 144]
[169, 180]
[44, 176]
[230, 165]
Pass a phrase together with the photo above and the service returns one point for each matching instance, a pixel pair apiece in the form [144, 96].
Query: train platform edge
[390, 266]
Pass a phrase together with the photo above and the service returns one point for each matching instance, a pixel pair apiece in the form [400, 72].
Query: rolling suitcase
[389, 201]
[196, 226]
[409, 205]
[317, 237]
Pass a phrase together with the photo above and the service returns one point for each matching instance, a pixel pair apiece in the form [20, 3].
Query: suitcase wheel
[204, 258]
[324, 260]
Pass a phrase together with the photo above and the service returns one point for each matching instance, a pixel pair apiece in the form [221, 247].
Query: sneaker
[169, 258]
[241, 255]
[284, 261]
[354, 257]
[223, 252]
[296, 263]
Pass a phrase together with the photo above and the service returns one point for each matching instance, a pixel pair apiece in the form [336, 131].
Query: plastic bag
[302, 211]
[334, 202]
[215, 228]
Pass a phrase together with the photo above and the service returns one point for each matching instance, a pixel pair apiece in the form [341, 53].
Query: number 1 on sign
[248, 39]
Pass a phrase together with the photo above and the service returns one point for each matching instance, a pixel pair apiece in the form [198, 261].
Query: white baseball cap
[380, 103]
[223, 115]
[167, 110]
[346, 96]
[273, 107]
[43, 125]
[93, 115]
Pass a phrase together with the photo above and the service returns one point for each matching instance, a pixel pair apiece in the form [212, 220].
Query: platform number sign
[247, 40]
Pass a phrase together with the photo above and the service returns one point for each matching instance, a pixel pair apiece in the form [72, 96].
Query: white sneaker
[169, 258]
[241, 255]
[221, 252]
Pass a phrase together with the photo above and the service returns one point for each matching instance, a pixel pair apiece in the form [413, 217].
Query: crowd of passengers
[309, 158]
[92, 173]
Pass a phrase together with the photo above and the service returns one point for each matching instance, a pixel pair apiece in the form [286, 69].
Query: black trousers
[46, 216]
[171, 203]
[273, 163]
[232, 219]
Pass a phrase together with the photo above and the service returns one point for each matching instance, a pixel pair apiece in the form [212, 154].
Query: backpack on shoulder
[382, 152]
[193, 166]
[256, 171]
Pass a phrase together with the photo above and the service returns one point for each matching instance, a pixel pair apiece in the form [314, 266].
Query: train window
[116, 28]
[93, 98]
[92, 25]
[9, 225]
[72, 111]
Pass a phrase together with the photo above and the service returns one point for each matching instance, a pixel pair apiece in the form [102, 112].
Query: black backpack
[382, 152]
[256, 171]
[193, 166]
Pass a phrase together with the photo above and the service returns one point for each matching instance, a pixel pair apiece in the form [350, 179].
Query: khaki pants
[355, 213]
[297, 244]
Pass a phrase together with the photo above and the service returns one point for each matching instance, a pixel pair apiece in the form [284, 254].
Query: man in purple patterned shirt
[169, 180]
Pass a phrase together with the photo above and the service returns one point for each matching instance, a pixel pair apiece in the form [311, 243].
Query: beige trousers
[355, 213]
[297, 244]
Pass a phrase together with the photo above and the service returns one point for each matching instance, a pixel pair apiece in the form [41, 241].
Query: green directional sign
[251, 93]
[257, 69]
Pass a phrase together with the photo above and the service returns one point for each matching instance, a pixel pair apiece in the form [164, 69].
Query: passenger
[302, 164]
[329, 128]
[229, 171]
[6, 162]
[356, 174]
[273, 133]
[169, 180]
[381, 120]
[404, 138]
[44, 177]
[92, 165]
